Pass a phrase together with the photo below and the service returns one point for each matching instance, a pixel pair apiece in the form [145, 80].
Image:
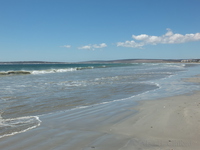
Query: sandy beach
[165, 124]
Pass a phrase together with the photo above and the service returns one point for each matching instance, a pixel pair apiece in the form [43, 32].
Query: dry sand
[166, 124]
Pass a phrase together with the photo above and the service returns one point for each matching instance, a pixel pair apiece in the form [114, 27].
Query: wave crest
[46, 71]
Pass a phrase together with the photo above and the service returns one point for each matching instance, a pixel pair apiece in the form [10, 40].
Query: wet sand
[166, 124]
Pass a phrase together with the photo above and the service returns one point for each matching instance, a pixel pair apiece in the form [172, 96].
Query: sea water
[28, 91]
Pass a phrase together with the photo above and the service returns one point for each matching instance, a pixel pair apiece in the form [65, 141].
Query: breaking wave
[25, 72]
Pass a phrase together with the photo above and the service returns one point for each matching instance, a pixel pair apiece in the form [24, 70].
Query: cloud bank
[168, 38]
[93, 47]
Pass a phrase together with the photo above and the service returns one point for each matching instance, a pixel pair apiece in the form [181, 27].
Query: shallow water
[61, 87]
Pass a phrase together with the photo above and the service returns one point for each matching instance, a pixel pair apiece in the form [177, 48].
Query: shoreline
[171, 123]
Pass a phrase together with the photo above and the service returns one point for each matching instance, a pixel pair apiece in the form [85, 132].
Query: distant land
[31, 62]
[138, 61]
[111, 61]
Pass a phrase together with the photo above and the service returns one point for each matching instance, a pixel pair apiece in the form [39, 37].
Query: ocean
[28, 91]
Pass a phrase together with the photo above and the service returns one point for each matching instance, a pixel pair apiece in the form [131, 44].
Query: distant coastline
[32, 62]
[111, 61]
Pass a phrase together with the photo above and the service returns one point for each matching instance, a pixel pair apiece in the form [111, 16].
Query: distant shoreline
[111, 61]
[31, 62]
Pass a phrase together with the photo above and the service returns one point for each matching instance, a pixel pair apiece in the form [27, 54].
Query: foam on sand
[14, 126]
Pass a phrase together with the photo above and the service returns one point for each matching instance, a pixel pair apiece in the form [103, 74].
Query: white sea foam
[52, 71]
[175, 65]
[14, 126]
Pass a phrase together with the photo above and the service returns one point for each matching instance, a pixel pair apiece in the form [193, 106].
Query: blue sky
[81, 30]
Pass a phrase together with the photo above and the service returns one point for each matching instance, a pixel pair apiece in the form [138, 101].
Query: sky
[84, 30]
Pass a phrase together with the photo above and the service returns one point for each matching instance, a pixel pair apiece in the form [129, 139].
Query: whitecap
[53, 71]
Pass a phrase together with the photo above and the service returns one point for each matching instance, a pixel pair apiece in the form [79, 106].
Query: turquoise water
[50, 88]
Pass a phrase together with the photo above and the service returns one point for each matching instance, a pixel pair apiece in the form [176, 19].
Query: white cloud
[66, 46]
[88, 47]
[132, 44]
[168, 38]
[93, 47]
[102, 45]
[169, 32]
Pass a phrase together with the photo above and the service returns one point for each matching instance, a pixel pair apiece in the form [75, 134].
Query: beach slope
[166, 124]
